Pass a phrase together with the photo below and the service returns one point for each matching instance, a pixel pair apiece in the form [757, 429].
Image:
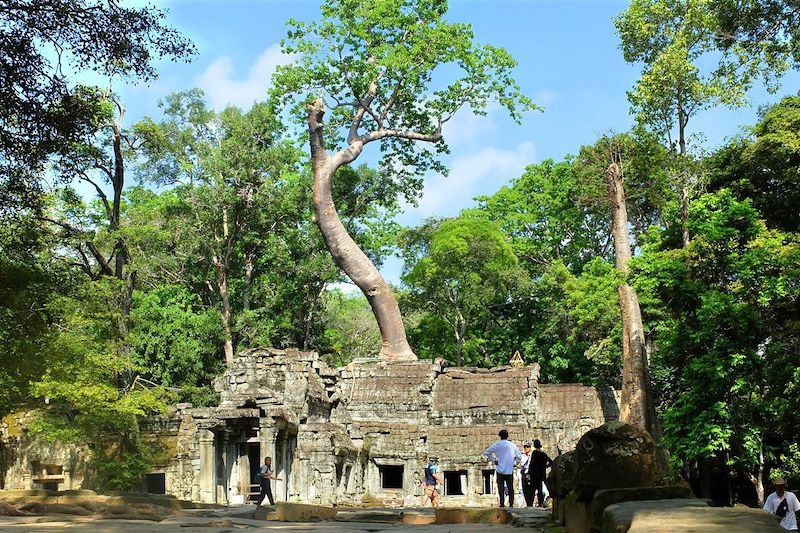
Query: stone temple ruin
[349, 436]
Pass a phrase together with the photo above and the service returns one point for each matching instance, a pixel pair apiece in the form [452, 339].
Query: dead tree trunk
[346, 253]
[637, 406]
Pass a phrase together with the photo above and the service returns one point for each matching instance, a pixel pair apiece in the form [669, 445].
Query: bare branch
[83, 176]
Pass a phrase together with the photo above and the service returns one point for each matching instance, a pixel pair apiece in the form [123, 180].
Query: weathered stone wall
[28, 463]
[360, 433]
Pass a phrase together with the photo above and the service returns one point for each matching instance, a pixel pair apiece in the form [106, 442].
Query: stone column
[208, 470]
[266, 438]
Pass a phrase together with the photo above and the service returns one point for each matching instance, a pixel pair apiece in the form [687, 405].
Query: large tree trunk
[118, 183]
[757, 478]
[346, 253]
[684, 211]
[222, 287]
[637, 405]
[249, 267]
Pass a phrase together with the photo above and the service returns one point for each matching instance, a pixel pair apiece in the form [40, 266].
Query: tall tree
[372, 64]
[228, 168]
[727, 315]
[464, 267]
[673, 39]
[41, 112]
[614, 157]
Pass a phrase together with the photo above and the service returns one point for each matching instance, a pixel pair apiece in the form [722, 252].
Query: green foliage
[765, 165]
[174, 338]
[540, 214]
[407, 69]
[673, 39]
[44, 112]
[31, 279]
[724, 310]
[350, 330]
[88, 390]
[463, 268]
[763, 32]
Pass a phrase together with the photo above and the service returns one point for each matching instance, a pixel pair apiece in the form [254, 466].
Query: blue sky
[569, 63]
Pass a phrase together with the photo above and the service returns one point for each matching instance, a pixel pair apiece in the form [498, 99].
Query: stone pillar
[223, 480]
[208, 470]
[266, 438]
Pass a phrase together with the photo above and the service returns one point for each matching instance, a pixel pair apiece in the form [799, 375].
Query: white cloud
[545, 97]
[221, 89]
[479, 172]
[466, 126]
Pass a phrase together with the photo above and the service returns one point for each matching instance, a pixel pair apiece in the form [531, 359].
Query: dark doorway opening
[488, 481]
[155, 483]
[455, 482]
[391, 476]
[254, 459]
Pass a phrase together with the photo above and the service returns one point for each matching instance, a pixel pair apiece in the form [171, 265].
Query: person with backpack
[430, 483]
[784, 504]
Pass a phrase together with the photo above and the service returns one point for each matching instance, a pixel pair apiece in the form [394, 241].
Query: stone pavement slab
[617, 517]
[704, 520]
[194, 524]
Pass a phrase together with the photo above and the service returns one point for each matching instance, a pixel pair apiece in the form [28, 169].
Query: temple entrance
[250, 464]
[285, 445]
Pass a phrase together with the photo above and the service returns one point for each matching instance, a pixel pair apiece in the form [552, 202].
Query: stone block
[303, 512]
[603, 498]
[560, 480]
[576, 514]
[416, 518]
[614, 455]
[369, 515]
[472, 516]
[262, 512]
[705, 520]
[617, 516]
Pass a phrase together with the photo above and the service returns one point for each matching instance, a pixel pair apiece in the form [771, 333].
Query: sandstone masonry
[355, 435]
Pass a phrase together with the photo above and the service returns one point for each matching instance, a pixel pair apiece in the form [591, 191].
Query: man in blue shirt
[505, 455]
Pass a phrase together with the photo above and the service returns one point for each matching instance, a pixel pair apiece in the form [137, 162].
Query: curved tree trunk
[637, 405]
[346, 253]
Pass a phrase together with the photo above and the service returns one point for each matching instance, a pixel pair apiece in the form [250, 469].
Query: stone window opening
[391, 477]
[155, 483]
[455, 482]
[489, 486]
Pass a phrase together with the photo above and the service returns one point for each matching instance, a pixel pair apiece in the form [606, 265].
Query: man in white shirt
[505, 455]
[784, 504]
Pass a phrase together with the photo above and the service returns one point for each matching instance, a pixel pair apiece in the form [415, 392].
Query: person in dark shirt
[265, 475]
[537, 471]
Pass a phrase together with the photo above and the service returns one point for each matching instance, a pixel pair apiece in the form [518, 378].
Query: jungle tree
[376, 65]
[41, 111]
[673, 39]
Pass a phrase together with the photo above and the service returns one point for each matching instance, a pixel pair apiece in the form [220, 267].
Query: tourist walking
[537, 471]
[431, 482]
[784, 504]
[506, 456]
[524, 476]
[266, 475]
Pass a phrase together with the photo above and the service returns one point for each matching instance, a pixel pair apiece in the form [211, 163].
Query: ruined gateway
[348, 436]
